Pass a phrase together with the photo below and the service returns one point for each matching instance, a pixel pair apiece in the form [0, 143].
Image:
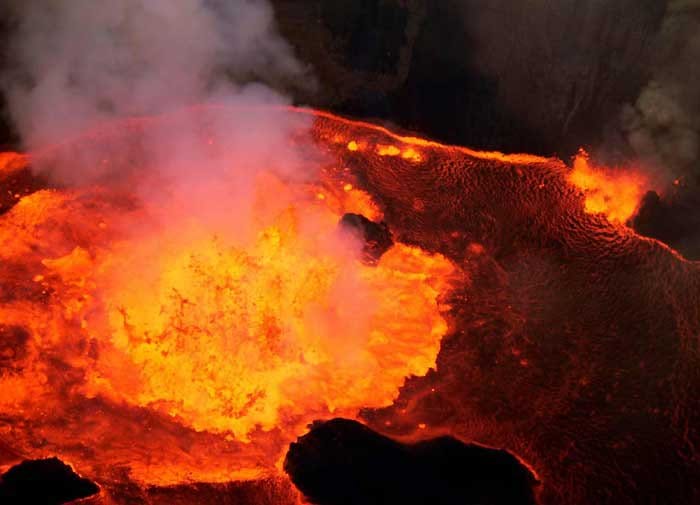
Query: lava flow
[615, 194]
[184, 314]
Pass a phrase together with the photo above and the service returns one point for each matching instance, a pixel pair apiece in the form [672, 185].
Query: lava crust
[575, 344]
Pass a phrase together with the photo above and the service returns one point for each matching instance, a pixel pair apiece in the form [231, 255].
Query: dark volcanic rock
[376, 237]
[361, 51]
[43, 482]
[342, 462]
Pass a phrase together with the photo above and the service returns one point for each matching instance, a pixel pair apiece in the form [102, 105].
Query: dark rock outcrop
[342, 462]
[43, 482]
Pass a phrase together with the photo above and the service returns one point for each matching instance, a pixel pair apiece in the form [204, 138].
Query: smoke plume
[77, 64]
[663, 125]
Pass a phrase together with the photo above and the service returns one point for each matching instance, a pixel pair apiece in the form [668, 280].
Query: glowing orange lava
[229, 339]
[616, 194]
[10, 161]
[243, 329]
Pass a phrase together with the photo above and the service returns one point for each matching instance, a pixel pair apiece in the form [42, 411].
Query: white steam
[77, 66]
[78, 63]
[203, 146]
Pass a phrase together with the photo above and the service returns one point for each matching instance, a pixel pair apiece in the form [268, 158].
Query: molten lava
[229, 339]
[246, 328]
[615, 194]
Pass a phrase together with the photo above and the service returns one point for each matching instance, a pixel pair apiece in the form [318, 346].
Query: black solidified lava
[342, 462]
[43, 482]
[376, 237]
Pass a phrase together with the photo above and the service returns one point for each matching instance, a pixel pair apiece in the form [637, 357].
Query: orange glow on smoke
[229, 339]
[616, 194]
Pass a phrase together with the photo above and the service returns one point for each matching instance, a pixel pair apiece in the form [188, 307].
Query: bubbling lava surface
[236, 339]
[515, 309]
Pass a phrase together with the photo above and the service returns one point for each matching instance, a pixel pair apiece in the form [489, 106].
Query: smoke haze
[76, 64]
[663, 125]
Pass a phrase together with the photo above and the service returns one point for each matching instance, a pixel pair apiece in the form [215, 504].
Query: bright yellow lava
[234, 338]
